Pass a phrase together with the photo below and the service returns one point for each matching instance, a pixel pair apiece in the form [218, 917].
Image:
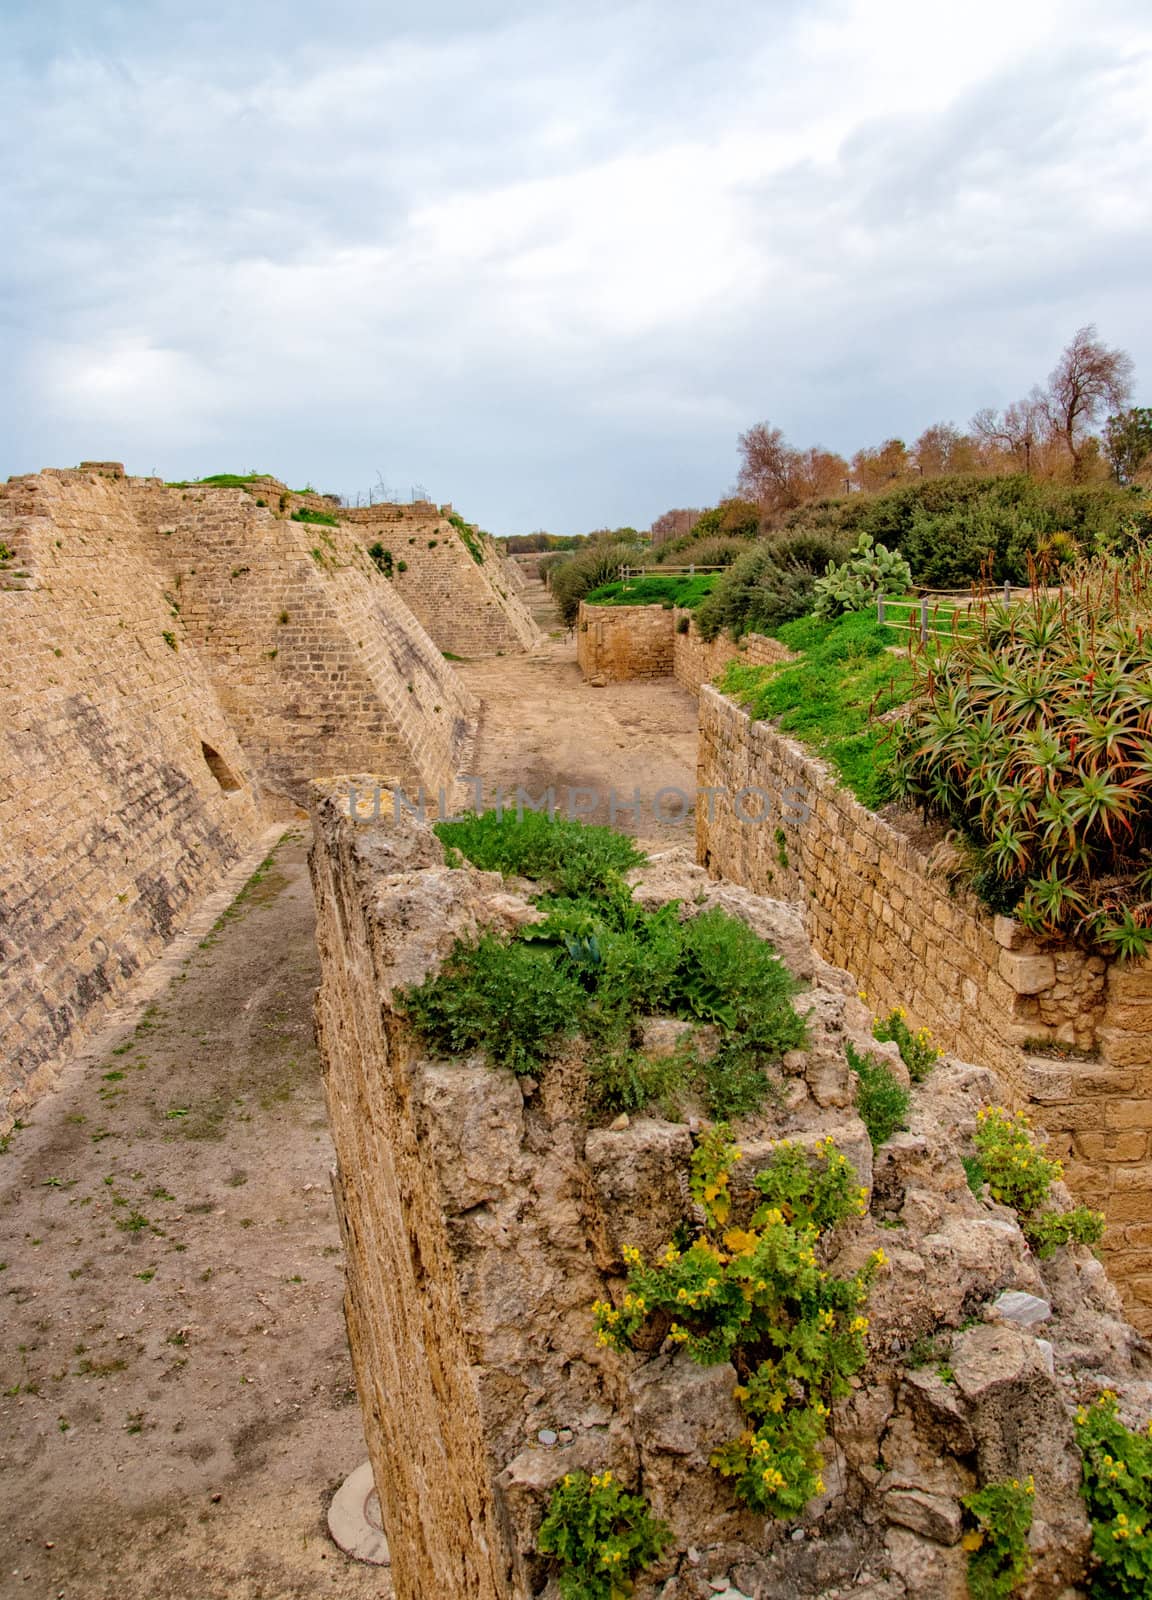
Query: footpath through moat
[176, 1399]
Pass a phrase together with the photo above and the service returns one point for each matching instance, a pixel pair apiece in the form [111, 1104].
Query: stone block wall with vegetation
[484, 1214]
[875, 903]
[617, 643]
[178, 663]
[452, 577]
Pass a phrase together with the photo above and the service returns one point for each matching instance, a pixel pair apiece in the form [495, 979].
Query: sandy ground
[176, 1400]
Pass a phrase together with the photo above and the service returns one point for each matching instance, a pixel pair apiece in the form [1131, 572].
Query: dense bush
[562, 854]
[706, 552]
[574, 577]
[1033, 736]
[772, 583]
[947, 527]
[882, 1102]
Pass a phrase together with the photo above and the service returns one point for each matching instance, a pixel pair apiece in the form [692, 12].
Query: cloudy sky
[548, 260]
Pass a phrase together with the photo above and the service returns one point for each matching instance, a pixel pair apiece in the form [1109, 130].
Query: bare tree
[778, 477]
[878, 466]
[1088, 380]
[673, 524]
[1018, 430]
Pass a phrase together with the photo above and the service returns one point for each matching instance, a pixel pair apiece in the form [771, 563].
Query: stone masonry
[176, 665]
[618, 643]
[878, 905]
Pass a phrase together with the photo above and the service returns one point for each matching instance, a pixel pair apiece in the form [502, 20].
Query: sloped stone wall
[177, 664]
[112, 822]
[469, 607]
[874, 903]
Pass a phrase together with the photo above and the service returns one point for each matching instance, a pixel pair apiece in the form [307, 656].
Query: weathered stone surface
[1023, 1309]
[640, 1177]
[934, 1516]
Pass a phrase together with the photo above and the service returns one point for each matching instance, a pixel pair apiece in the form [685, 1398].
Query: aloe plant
[1032, 734]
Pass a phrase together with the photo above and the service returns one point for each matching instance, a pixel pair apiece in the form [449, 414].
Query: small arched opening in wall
[220, 769]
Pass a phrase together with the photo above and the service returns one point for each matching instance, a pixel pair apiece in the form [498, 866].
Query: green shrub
[772, 583]
[881, 1102]
[563, 854]
[600, 1535]
[322, 518]
[1019, 1175]
[501, 997]
[1031, 736]
[705, 552]
[833, 696]
[1117, 1490]
[999, 1559]
[870, 570]
[470, 537]
[574, 577]
[757, 1295]
[381, 558]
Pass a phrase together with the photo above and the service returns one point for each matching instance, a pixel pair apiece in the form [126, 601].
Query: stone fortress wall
[175, 665]
[877, 904]
[458, 585]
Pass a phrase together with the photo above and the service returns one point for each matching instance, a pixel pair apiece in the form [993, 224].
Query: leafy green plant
[501, 997]
[1031, 736]
[833, 697]
[999, 1559]
[772, 583]
[470, 537]
[573, 577]
[881, 1102]
[1020, 1175]
[917, 1051]
[870, 569]
[1117, 1490]
[600, 1535]
[757, 1296]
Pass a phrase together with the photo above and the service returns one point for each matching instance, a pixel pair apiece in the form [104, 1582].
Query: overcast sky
[548, 260]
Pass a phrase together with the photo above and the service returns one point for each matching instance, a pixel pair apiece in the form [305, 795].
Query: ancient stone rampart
[455, 583]
[878, 905]
[175, 666]
[482, 1215]
[618, 643]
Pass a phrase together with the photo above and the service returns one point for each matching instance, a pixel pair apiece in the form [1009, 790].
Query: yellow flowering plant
[600, 1535]
[1020, 1175]
[917, 1051]
[999, 1559]
[1117, 1489]
[758, 1296]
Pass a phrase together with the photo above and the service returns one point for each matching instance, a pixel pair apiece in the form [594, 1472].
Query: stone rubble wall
[617, 643]
[482, 1215]
[176, 666]
[875, 904]
[469, 607]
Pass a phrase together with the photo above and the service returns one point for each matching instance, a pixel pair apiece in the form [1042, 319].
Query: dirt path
[176, 1400]
[543, 725]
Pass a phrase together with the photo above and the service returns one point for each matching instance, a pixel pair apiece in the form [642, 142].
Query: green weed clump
[999, 1559]
[882, 1103]
[565, 855]
[833, 696]
[597, 965]
[757, 1296]
[469, 536]
[600, 1535]
[1117, 1490]
[1020, 1175]
[381, 559]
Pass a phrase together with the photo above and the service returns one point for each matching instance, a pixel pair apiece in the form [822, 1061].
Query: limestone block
[1027, 974]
